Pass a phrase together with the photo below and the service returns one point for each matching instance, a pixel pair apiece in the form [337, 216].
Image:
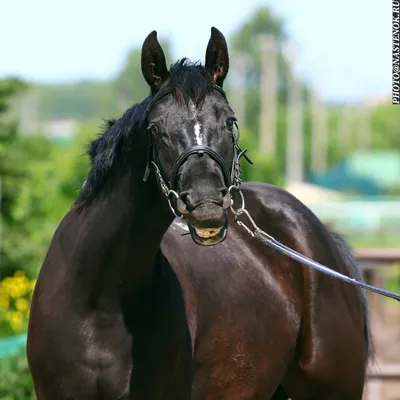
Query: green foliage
[262, 21]
[246, 41]
[72, 163]
[29, 201]
[40, 180]
[386, 123]
[35, 202]
[9, 88]
[264, 169]
[16, 382]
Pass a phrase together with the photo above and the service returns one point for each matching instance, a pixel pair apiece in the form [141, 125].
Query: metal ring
[249, 217]
[174, 193]
[239, 211]
[173, 210]
[170, 205]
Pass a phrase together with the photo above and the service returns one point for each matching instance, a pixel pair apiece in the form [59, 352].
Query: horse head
[194, 144]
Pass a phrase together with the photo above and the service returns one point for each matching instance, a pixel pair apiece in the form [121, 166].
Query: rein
[270, 241]
[233, 180]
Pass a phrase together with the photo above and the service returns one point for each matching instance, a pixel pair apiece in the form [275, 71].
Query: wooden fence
[374, 262]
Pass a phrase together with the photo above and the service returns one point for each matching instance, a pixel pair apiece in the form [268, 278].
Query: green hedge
[15, 378]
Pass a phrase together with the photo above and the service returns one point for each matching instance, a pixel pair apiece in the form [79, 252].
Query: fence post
[294, 137]
[268, 88]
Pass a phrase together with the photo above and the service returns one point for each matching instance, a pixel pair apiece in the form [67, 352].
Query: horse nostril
[225, 198]
[223, 191]
[186, 199]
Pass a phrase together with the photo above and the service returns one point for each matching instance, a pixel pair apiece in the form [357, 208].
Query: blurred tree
[81, 100]
[32, 201]
[385, 126]
[246, 41]
[10, 164]
[72, 163]
[130, 86]
[264, 169]
[8, 88]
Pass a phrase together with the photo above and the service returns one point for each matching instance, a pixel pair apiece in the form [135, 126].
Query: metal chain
[237, 178]
[163, 185]
[270, 241]
[167, 192]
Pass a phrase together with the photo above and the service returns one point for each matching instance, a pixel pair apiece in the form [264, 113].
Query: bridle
[232, 176]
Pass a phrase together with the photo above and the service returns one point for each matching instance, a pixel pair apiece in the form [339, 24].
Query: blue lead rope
[275, 244]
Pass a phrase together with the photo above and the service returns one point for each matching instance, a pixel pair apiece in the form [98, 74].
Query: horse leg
[323, 383]
[245, 380]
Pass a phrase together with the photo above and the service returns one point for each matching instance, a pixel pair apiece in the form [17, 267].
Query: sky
[344, 45]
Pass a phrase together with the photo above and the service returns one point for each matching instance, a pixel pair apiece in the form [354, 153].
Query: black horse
[130, 306]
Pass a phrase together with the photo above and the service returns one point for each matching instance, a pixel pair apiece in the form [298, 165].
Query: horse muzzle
[208, 221]
[209, 236]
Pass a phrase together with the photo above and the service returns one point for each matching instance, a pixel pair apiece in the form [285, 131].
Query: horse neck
[120, 235]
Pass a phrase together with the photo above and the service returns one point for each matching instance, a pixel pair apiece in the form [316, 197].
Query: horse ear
[217, 58]
[154, 68]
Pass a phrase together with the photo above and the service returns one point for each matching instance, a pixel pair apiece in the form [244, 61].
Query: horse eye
[154, 130]
[230, 122]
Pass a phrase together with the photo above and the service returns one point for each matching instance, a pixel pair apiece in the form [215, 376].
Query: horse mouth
[208, 236]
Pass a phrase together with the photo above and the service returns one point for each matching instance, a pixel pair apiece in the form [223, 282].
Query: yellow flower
[4, 302]
[22, 304]
[15, 319]
[16, 324]
[17, 286]
[3, 292]
[7, 283]
[15, 295]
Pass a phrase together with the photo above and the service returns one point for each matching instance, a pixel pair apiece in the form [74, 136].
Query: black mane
[188, 81]
[109, 150]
